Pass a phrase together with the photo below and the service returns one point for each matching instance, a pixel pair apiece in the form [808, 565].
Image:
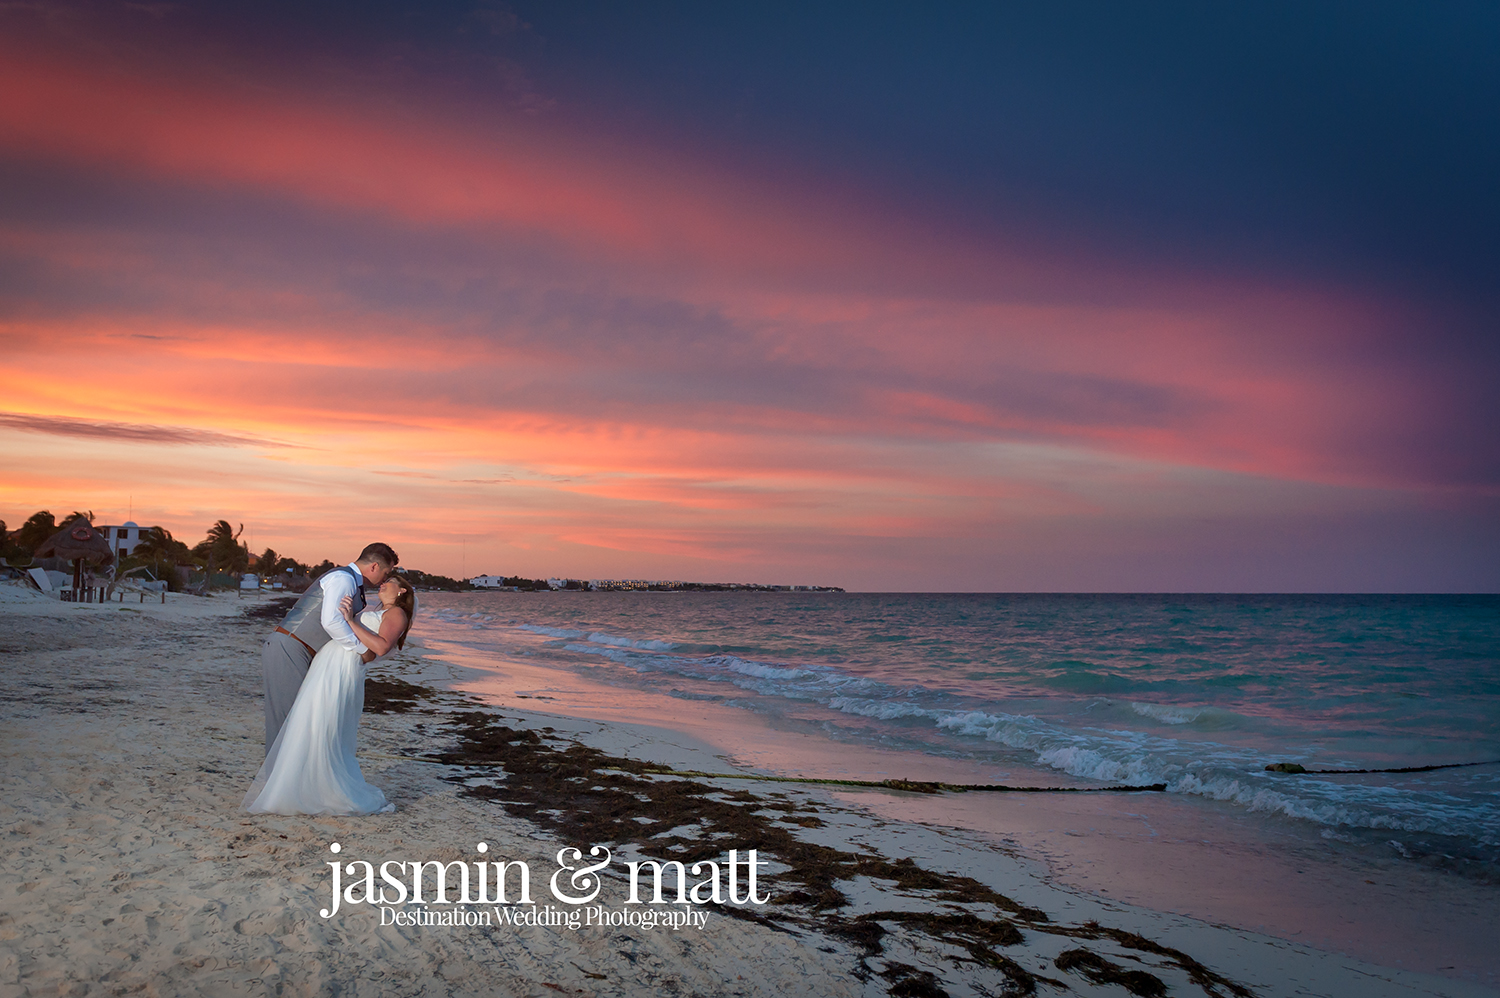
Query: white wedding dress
[311, 768]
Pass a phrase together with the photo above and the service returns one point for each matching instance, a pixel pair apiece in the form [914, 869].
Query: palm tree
[157, 544]
[160, 549]
[37, 528]
[222, 549]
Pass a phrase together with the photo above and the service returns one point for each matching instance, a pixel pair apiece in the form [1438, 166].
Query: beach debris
[271, 609]
[1101, 971]
[909, 982]
[389, 695]
[1292, 767]
[582, 794]
[914, 786]
[1210, 982]
[978, 937]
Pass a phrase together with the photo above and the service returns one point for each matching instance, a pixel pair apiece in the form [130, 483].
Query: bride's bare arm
[390, 627]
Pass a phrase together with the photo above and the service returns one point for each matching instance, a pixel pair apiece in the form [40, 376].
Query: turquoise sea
[1200, 692]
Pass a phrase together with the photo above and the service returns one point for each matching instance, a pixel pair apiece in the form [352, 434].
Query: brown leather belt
[283, 630]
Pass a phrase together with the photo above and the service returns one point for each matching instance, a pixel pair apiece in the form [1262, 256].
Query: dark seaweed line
[919, 786]
[1296, 769]
[583, 794]
[910, 786]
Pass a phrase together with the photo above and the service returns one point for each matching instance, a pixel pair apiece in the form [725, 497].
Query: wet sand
[1200, 858]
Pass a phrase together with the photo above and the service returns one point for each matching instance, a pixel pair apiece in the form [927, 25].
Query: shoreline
[131, 738]
[1169, 853]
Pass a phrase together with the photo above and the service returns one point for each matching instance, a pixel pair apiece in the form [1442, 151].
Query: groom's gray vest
[305, 621]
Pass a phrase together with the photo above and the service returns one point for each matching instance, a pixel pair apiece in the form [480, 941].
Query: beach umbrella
[78, 540]
[81, 543]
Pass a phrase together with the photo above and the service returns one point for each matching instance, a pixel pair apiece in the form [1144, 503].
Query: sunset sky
[1102, 296]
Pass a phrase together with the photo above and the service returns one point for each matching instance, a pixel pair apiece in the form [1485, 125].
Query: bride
[310, 768]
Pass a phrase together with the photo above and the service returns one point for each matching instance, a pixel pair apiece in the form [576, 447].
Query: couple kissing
[314, 669]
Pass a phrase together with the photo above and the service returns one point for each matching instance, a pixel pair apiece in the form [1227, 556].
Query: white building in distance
[124, 537]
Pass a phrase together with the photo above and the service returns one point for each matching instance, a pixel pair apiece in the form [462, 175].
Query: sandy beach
[131, 732]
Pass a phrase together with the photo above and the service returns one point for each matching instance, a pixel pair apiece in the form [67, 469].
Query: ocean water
[1199, 692]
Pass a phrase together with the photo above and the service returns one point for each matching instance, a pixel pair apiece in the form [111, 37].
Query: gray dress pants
[283, 664]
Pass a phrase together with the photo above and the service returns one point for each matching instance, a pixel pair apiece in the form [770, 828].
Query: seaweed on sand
[907, 981]
[390, 695]
[588, 796]
[1101, 971]
[272, 609]
[583, 794]
[979, 937]
[1200, 975]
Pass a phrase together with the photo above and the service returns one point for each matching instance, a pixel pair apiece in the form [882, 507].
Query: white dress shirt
[336, 585]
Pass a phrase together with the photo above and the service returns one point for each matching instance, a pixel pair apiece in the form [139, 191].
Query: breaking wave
[1198, 749]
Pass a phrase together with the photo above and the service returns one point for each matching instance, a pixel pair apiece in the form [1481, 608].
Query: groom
[311, 624]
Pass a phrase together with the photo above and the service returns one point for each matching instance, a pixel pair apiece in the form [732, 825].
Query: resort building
[124, 537]
[488, 581]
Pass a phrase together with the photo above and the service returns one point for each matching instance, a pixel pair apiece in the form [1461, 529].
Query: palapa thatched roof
[78, 539]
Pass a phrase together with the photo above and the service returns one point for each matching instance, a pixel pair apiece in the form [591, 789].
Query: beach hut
[80, 543]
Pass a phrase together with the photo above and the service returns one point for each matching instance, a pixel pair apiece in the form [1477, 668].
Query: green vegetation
[221, 550]
[159, 553]
[221, 557]
[526, 585]
[431, 580]
[217, 559]
[37, 528]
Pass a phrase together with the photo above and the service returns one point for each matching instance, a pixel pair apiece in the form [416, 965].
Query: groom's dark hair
[380, 552]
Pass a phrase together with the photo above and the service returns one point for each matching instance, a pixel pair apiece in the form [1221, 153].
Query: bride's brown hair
[407, 601]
